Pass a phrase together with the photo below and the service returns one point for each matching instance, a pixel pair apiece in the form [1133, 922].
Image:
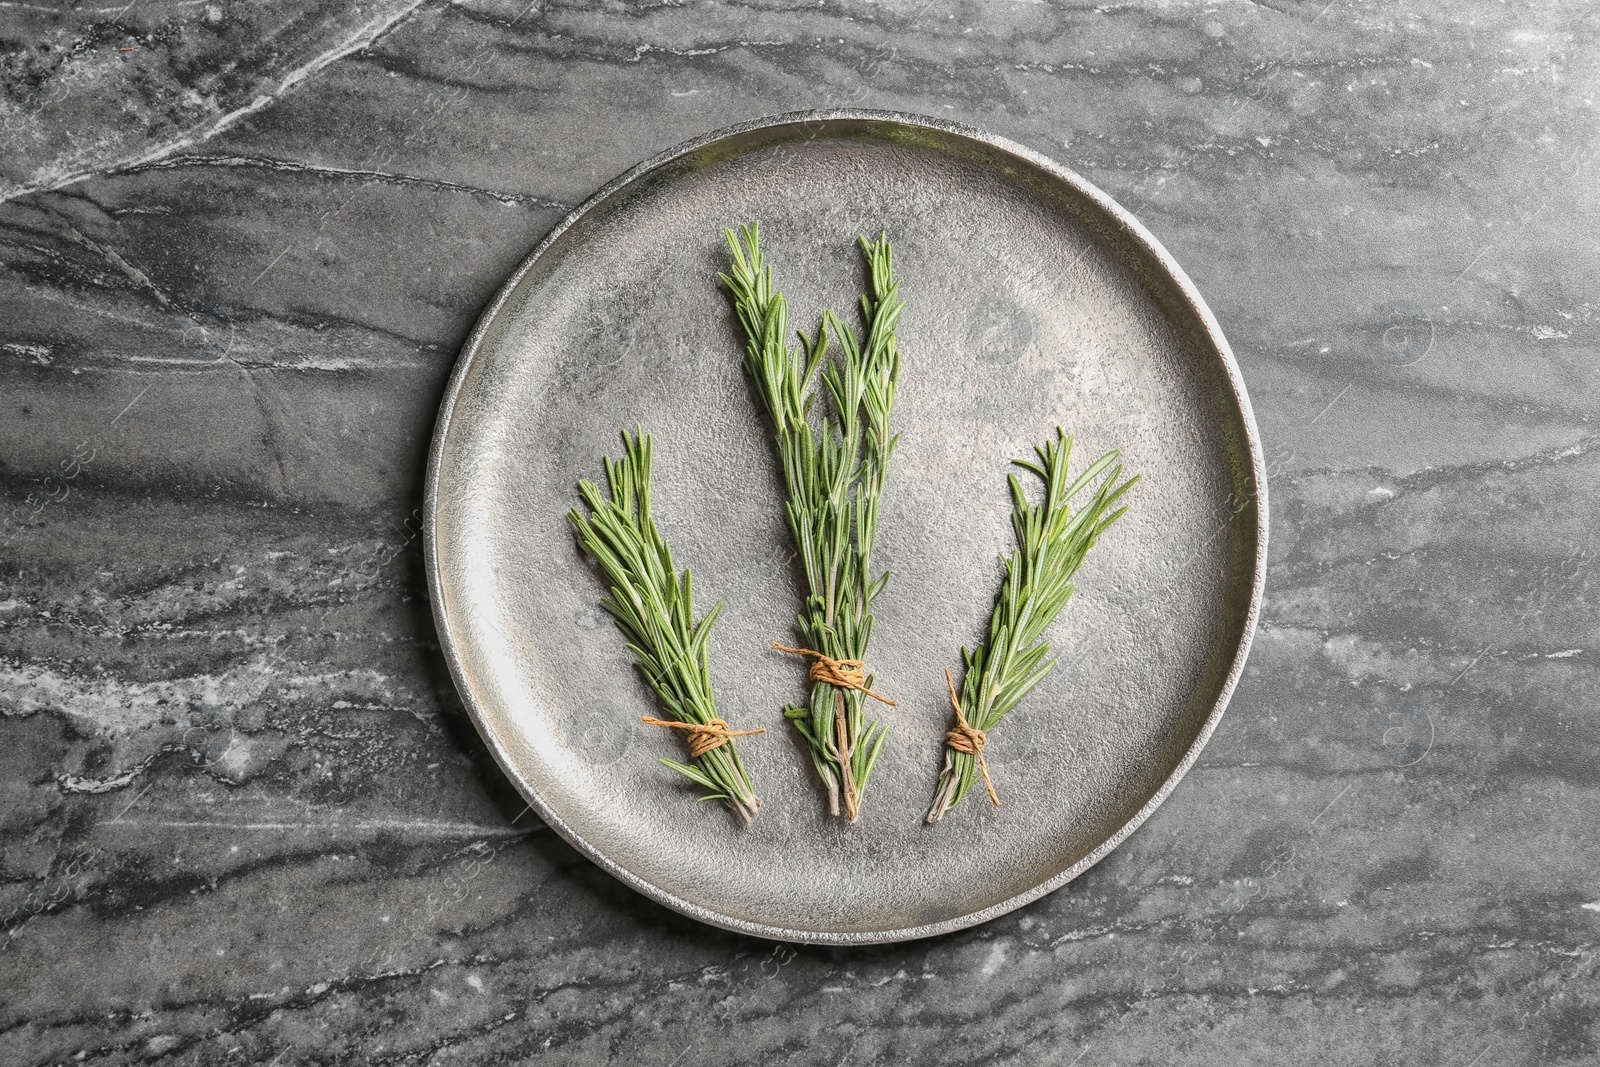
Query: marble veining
[242, 816]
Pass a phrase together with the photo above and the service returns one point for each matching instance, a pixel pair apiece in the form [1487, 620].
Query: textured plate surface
[1032, 301]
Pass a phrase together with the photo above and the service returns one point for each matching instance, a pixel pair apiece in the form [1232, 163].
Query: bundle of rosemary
[1052, 542]
[653, 606]
[833, 476]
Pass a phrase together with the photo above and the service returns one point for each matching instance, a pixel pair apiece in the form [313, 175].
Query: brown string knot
[843, 673]
[703, 736]
[964, 737]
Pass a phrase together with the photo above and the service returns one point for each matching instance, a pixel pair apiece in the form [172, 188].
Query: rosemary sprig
[654, 608]
[833, 475]
[1052, 542]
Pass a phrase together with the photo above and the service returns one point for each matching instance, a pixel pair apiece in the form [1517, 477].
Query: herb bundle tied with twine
[653, 606]
[1052, 542]
[833, 467]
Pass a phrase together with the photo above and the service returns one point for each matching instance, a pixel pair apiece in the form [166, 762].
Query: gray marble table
[244, 819]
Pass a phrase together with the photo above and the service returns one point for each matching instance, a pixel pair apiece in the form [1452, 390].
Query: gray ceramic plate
[1032, 301]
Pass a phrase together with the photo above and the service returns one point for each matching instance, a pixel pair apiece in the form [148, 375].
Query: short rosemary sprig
[833, 475]
[1052, 542]
[654, 608]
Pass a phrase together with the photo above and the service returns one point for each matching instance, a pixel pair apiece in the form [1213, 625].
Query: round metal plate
[1032, 301]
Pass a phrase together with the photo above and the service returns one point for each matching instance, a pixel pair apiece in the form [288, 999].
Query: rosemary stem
[833, 466]
[1052, 542]
[652, 604]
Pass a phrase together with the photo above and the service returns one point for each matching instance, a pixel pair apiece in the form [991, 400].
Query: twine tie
[964, 737]
[703, 736]
[843, 673]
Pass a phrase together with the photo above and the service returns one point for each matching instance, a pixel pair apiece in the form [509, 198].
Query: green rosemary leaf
[875, 740]
[653, 606]
[1052, 542]
[833, 467]
[688, 771]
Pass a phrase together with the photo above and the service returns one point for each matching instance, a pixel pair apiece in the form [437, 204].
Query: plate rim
[1132, 229]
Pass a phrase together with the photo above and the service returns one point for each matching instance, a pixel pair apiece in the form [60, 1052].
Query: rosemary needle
[833, 471]
[1052, 542]
[653, 606]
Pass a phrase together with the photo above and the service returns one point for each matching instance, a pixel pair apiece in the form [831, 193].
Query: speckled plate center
[1032, 301]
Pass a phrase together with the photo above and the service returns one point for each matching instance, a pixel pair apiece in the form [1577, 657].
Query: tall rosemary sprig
[654, 608]
[833, 473]
[1052, 542]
